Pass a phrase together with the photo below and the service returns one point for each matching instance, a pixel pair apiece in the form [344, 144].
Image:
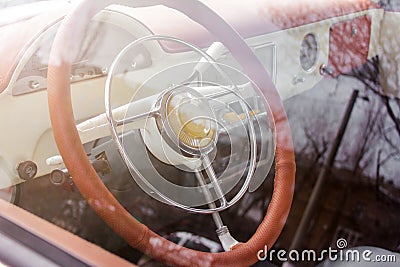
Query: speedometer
[102, 43]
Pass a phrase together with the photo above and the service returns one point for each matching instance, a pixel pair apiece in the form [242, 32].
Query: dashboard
[296, 57]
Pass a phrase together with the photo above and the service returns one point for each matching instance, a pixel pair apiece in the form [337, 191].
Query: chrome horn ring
[157, 111]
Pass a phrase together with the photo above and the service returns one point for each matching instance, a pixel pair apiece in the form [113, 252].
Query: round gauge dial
[308, 52]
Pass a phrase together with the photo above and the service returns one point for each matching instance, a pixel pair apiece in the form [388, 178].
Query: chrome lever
[326, 70]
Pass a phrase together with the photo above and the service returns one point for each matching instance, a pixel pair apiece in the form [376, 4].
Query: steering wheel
[63, 53]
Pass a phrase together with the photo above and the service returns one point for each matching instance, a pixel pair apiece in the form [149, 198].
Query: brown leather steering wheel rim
[93, 189]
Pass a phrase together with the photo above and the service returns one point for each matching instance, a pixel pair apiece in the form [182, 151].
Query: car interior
[199, 133]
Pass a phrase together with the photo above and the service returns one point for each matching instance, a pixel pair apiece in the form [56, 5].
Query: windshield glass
[179, 127]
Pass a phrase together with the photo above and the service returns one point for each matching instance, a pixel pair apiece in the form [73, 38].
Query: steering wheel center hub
[187, 120]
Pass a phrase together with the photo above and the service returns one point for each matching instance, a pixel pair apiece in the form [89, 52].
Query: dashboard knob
[58, 177]
[326, 70]
[27, 170]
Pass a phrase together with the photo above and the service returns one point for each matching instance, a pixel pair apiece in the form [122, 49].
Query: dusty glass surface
[192, 131]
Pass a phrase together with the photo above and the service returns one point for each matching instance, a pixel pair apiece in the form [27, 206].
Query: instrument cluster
[101, 44]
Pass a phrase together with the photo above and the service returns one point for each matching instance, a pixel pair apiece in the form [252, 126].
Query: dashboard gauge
[103, 41]
[308, 52]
